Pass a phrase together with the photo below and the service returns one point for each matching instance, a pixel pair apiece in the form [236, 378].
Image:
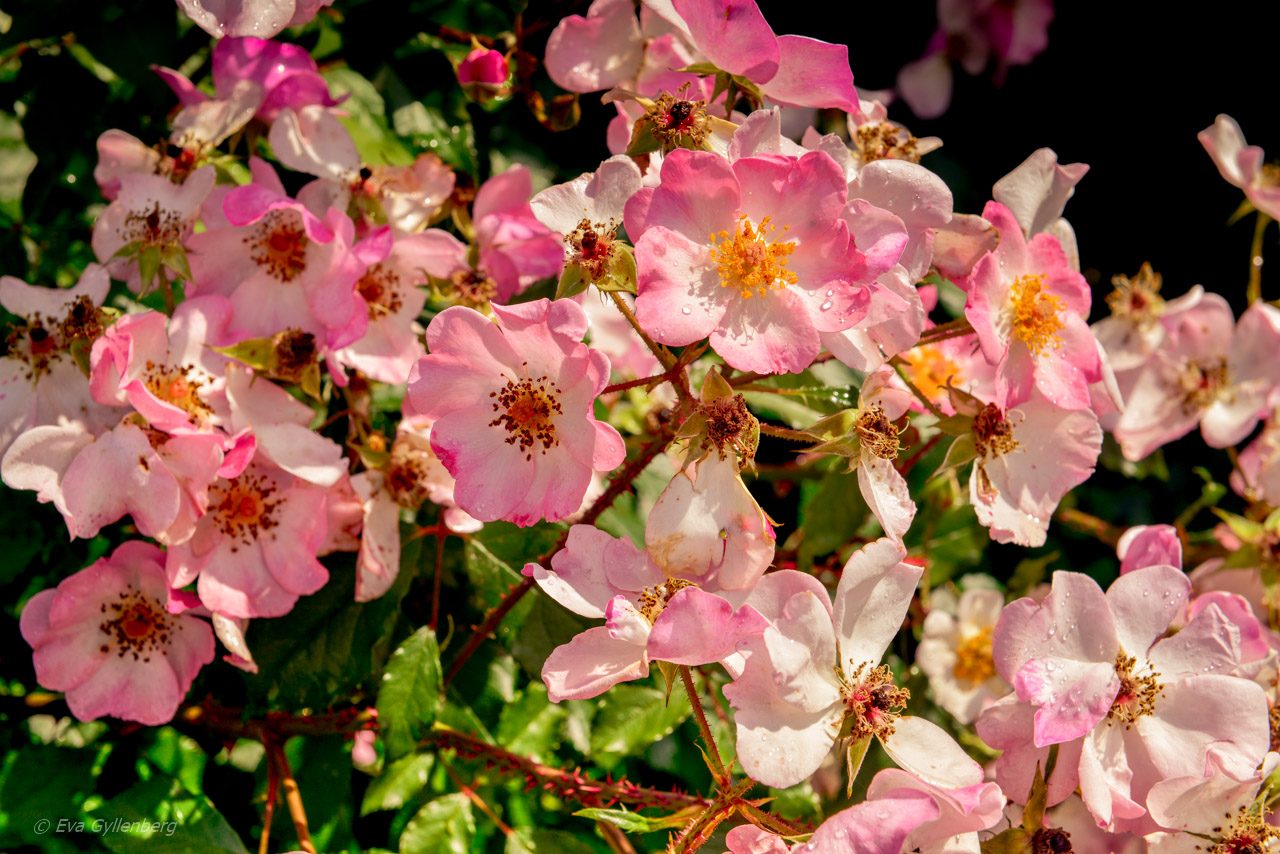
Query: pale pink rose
[1028, 457]
[512, 408]
[40, 382]
[587, 211]
[596, 52]
[962, 812]
[1138, 327]
[815, 671]
[649, 615]
[752, 254]
[876, 826]
[1205, 372]
[1097, 669]
[165, 368]
[880, 404]
[515, 249]
[393, 290]
[706, 526]
[1215, 806]
[411, 196]
[285, 74]
[280, 266]
[955, 653]
[104, 636]
[1242, 165]
[161, 480]
[261, 18]
[1030, 311]
[254, 552]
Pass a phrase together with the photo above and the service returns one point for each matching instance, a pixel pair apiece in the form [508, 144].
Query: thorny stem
[713, 753]
[292, 795]
[570, 785]
[617, 485]
[943, 331]
[920, 396]
[700, 829]
[911, 461]
[642, 381]
[1254, 290]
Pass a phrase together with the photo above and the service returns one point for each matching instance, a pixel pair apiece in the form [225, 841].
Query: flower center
[473, 288]
[527, 409]
[992, 432]
[1051, 840]
[1202, 383]
[1138, 693]
[135, 624]
[1137, 299]
[41, 341]
[179, 386]
[885, 141]
[591, 247]
[380, 288]
[876, 432]
[1270, 175]
[1035, 315]
[730, 425]
[1248, 833]
[244, 507]
[873, 703]
[974, 661]
[931, 370]
[678, 122]
[748, 260]
[278, 244]
[409, 469]
[154, 227]
[654, 599]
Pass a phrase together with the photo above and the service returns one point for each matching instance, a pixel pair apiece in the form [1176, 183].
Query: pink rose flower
[814, 674]
[512, 406]
[105, 637]
[1242, 165]
[1030, 311]
[483, 68]
[261, 18]
[752, 254]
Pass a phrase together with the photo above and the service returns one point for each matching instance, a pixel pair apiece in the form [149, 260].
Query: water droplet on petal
[686, 310]
[826, 305]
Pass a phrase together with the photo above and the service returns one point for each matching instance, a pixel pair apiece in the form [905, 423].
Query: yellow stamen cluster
[974, 661]
[527, 409]
[747, 258]
[1138, 693]
[1035, 316]
[178, 385]
[931, 370]
[1246, 831]
[885, 141]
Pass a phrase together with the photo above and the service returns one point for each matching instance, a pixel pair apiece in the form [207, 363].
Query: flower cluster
[314, 356]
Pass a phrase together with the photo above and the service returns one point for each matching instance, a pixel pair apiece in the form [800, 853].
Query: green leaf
[1015, 840]
[160, 815]
[409, 696]
[328, 645]
[398, 783]
[65, 777]
[831, 516]
[621, 275]
[179, 756]
[16, 164]
[531, 726]
[364, 116]
[633, 822]
[632, 717]
[443, 825]
[571, 282]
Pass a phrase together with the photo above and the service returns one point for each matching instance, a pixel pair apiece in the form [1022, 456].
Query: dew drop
[686, 310]
[826, 306]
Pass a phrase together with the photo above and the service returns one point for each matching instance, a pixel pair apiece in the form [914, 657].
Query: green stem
[920, 396]
[1254, 290]
[713, 753]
